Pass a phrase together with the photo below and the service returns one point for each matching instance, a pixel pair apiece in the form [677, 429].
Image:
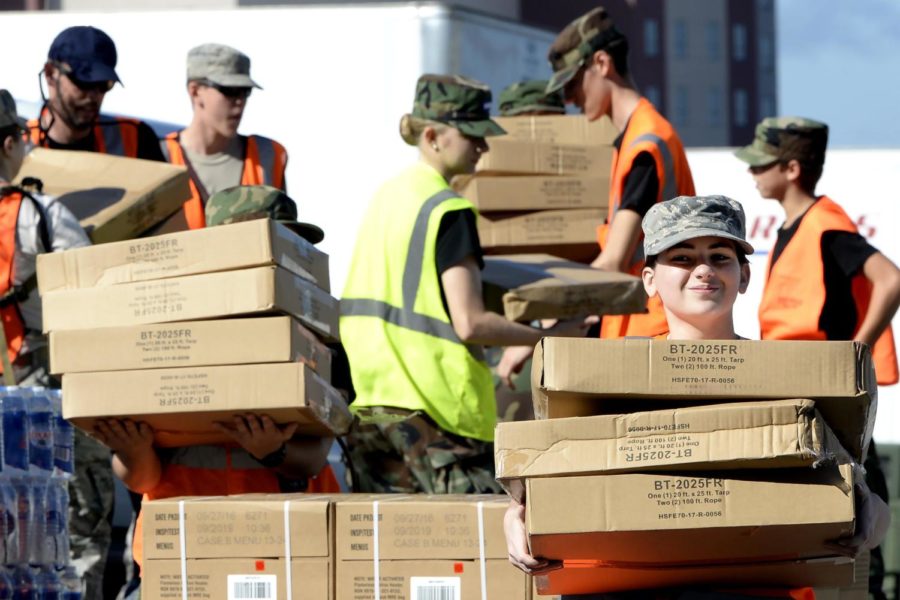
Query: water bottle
[15, 433]
[8, 517]
[55, 550]
[48, 584]
[23, 583]
[35, 530]
[63, 438]
[40, 432]
[7, 589]
[71, 584]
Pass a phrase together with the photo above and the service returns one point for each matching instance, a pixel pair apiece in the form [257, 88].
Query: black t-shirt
[843, 256]
[457, 238]
[641, 187]
[148, 143]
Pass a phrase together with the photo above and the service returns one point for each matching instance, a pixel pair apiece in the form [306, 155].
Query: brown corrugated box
[533, 192]
[665, 519]
[188, 344]
[509, 155]
[182, 404]
[559, 129]
[261, 290]
[580, 377]
[257, 243]
[539, 286]
[432, 537]
[742, 435]
[583, 577]
[114, 198]
[570, 234]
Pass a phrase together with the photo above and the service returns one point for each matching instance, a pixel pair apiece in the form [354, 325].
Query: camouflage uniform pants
[91, 498]
[396, 450]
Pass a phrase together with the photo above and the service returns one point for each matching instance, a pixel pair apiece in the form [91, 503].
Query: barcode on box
[435, 588]
[252, 587]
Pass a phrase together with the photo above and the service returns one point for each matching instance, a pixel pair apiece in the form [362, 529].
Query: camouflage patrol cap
[684, 218]
[219, 64]
[8, 114]
[249, 202]
[456, 101]
[577, 43]
[784, 139]
[530, 97]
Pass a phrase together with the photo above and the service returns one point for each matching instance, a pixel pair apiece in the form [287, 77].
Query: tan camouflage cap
[577, 42]
[8, 114]
[530, 97]
[784, 139]
[456, 101]
[220, 64]
[684, 218]
[249, 202]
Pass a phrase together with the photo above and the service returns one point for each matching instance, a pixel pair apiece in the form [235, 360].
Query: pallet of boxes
[671, 464]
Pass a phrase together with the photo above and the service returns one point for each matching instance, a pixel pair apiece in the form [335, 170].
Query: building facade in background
[708, 65]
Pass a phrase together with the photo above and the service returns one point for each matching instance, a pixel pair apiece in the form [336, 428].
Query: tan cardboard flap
[742, 435]
[559, 129]
[546, 158]
[515, 193]
[540, 286]
[257, 243]
[114, 198]
[182, 404]
[578, 377]
[188, 344]
[678, 519]
[212, 295]
[569, 234]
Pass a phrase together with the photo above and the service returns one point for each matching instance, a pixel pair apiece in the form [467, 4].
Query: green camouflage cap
[530, 97]
[219, 64]
[684, 218]
[578, 42]
[456, 101]
[8, 114]
[784, 139]
[249, 202]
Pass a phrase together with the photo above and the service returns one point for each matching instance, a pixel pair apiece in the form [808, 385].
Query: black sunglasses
[91, 86]
[234, 93]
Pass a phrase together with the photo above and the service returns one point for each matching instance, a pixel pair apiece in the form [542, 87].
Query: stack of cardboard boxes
[665, 463]
[145, 329]
[543, 187]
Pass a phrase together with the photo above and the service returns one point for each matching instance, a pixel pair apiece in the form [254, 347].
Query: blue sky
[839, 62]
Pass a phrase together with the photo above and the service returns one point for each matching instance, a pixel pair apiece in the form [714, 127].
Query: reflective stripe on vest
[110, 135]
[265, 150]
[670, 188]
[112, 139]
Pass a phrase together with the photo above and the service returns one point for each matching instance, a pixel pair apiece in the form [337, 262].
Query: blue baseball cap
[89, 53]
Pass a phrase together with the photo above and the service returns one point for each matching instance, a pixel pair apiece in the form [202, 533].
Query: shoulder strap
[192, 173]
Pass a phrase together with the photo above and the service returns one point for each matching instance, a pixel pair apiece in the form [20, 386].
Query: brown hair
[411, 128]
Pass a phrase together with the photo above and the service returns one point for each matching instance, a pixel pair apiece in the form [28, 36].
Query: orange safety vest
[647, 131]
[13, 325]
[264, 163]
[112, 135]
[219, 471]
[795, 293]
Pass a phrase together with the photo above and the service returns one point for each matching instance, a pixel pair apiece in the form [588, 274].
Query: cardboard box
[263, 290]
[579, 377]
[239, 540]
[225, 248]
[509, 155]
[182, 404]
[858, 590]
[173, 224]
[114, 198]
[426, 544]
[584, 577]
[569, 234]
[716, 518]
[742, 435]
[540, 286]
[560, 129]
[190, 344]
[533, 192]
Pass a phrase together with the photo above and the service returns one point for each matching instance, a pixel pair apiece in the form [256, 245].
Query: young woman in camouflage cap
[412, 316]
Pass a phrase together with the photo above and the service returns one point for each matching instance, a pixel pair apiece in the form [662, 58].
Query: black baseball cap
[89, 53]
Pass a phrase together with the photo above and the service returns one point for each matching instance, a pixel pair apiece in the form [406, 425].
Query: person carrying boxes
[697, 265]
[824, 281]
[530, 98]
[412, 314]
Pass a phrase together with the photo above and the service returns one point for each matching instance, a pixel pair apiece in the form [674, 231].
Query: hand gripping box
[188, 344]
[257, 243]
[578, 377]
[742, 435]
[492, 193]
[420, 546]
[257, 291]
[183, 404]
[251, 546]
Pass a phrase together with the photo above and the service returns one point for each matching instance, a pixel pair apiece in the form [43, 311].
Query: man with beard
[80, 70]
